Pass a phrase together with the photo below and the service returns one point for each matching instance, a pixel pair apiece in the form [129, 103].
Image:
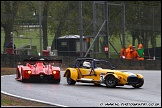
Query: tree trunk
[44, 25]
[153, 39]
[11, 8]
[44, 28]
[7, 29]
[58, 34]
[145, 39]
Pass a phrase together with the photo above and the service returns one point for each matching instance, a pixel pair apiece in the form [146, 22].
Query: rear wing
[44, 61]
[56, 63]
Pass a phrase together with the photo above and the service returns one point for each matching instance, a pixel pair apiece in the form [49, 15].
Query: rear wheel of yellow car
[69, 80]
[110, 81]
[139, 84]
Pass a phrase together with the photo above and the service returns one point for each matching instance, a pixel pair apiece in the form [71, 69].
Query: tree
[60, 19]
[143, 21]
[44, 24]
[8, 13]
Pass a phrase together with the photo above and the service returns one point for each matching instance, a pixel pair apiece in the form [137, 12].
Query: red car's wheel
[22, 78]
[56, 81]
[17, 74]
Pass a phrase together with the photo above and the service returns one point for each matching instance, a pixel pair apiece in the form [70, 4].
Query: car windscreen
[103, 64]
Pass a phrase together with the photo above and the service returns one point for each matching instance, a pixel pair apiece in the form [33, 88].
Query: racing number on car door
[101, 78]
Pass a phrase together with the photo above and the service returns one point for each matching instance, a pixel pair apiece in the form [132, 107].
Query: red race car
[41, 69]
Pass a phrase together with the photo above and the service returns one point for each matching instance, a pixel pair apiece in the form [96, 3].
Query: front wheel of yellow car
[110, 81]
[69, 80]
[139, 84]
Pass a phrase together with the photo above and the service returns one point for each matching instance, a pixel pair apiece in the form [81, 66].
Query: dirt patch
[7, 71]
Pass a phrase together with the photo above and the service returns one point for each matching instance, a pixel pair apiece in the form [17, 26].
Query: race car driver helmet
[87, 64]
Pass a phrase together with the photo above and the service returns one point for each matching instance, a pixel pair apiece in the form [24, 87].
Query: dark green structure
[69, 45]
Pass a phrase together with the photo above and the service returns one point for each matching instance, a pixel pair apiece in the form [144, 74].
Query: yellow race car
[90, 70]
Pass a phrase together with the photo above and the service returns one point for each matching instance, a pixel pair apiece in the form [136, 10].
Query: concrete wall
[12, 60]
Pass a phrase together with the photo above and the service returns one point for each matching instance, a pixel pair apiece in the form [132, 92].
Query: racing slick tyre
[57, 81]
[69, 80]
[17, 74]
[139, 84]
[110, 81]
[23, 80]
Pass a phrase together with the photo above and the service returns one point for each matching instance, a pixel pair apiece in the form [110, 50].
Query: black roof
[85, 58]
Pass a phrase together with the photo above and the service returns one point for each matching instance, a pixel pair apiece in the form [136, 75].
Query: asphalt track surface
[86, 94]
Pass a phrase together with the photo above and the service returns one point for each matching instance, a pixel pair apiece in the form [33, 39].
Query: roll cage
[94, 62]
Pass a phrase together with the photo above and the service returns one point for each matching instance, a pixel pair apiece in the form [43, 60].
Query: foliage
[63, 19]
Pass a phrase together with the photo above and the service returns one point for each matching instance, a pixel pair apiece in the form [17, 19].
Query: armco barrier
[12, 60]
